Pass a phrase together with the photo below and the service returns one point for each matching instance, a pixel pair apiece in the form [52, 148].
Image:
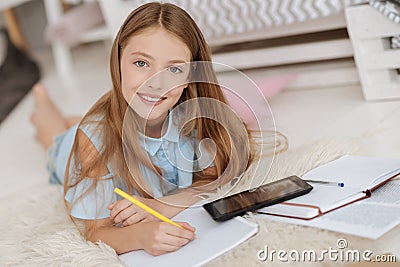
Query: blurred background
[31, 17]
[328, 69]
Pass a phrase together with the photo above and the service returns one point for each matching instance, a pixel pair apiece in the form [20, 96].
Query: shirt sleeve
[90, 203]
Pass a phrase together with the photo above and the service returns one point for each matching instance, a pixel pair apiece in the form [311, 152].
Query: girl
[144, 135]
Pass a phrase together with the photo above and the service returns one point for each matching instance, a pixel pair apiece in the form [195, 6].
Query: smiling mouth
[154, 100]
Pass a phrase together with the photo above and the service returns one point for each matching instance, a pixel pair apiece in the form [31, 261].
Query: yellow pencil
[145, 207]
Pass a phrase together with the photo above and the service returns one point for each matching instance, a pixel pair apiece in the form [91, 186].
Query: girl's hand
[160, 237]
[125, 212]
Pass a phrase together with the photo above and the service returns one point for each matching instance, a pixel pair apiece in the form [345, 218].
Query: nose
[156, 80]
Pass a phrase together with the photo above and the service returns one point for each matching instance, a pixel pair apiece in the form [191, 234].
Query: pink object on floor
[248, 101]
[272, 85]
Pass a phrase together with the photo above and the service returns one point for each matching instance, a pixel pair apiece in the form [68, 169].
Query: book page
[213, 239]
[388, 194]
[369, 218]
[356, 171]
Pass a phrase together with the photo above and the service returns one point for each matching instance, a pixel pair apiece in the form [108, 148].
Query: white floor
[303, 116]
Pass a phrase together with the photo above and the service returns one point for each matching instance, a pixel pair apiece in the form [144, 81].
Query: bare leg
[46, 117]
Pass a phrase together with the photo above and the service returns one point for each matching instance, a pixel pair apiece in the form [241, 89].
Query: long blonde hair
[233, 150]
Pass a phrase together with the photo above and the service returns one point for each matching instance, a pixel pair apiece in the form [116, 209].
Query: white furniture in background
[377, 63]
[229, 22]
[62, 53]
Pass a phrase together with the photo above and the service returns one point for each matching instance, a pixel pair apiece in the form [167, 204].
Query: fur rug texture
[35, 230]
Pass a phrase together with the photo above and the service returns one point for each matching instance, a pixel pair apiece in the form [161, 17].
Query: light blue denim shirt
[176, 157]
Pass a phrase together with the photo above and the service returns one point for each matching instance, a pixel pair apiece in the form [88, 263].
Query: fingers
[170, 238]
[163, 248]
[135, 218]
[123, 211]
[187, 226]
[111, 206]
[125, 214]
[162, 237]
[118, 206]
[173, 244]
[187, 232]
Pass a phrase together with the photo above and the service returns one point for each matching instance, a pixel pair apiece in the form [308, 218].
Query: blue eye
[140, 63]
[175, 70]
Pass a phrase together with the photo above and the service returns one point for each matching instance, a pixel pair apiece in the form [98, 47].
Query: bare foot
[72, 120]
[46, 117]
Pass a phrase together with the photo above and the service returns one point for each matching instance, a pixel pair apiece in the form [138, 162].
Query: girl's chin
[151, 115]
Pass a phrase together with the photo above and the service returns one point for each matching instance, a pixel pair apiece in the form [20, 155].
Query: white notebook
[213, 239]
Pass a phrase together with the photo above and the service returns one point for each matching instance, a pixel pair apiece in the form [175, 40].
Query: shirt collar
[152, 145]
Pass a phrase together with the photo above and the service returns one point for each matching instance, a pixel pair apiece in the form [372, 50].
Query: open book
[213, 239]
[371, 218]
[360, 175]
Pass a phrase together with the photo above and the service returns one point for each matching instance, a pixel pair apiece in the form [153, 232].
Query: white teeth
[151, 99]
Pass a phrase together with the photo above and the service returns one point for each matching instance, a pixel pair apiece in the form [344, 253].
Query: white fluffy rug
[35, 230]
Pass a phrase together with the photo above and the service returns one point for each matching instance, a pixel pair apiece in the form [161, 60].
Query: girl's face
[154, 73]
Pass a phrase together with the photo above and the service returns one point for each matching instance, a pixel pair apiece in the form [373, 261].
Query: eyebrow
[152, 58]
